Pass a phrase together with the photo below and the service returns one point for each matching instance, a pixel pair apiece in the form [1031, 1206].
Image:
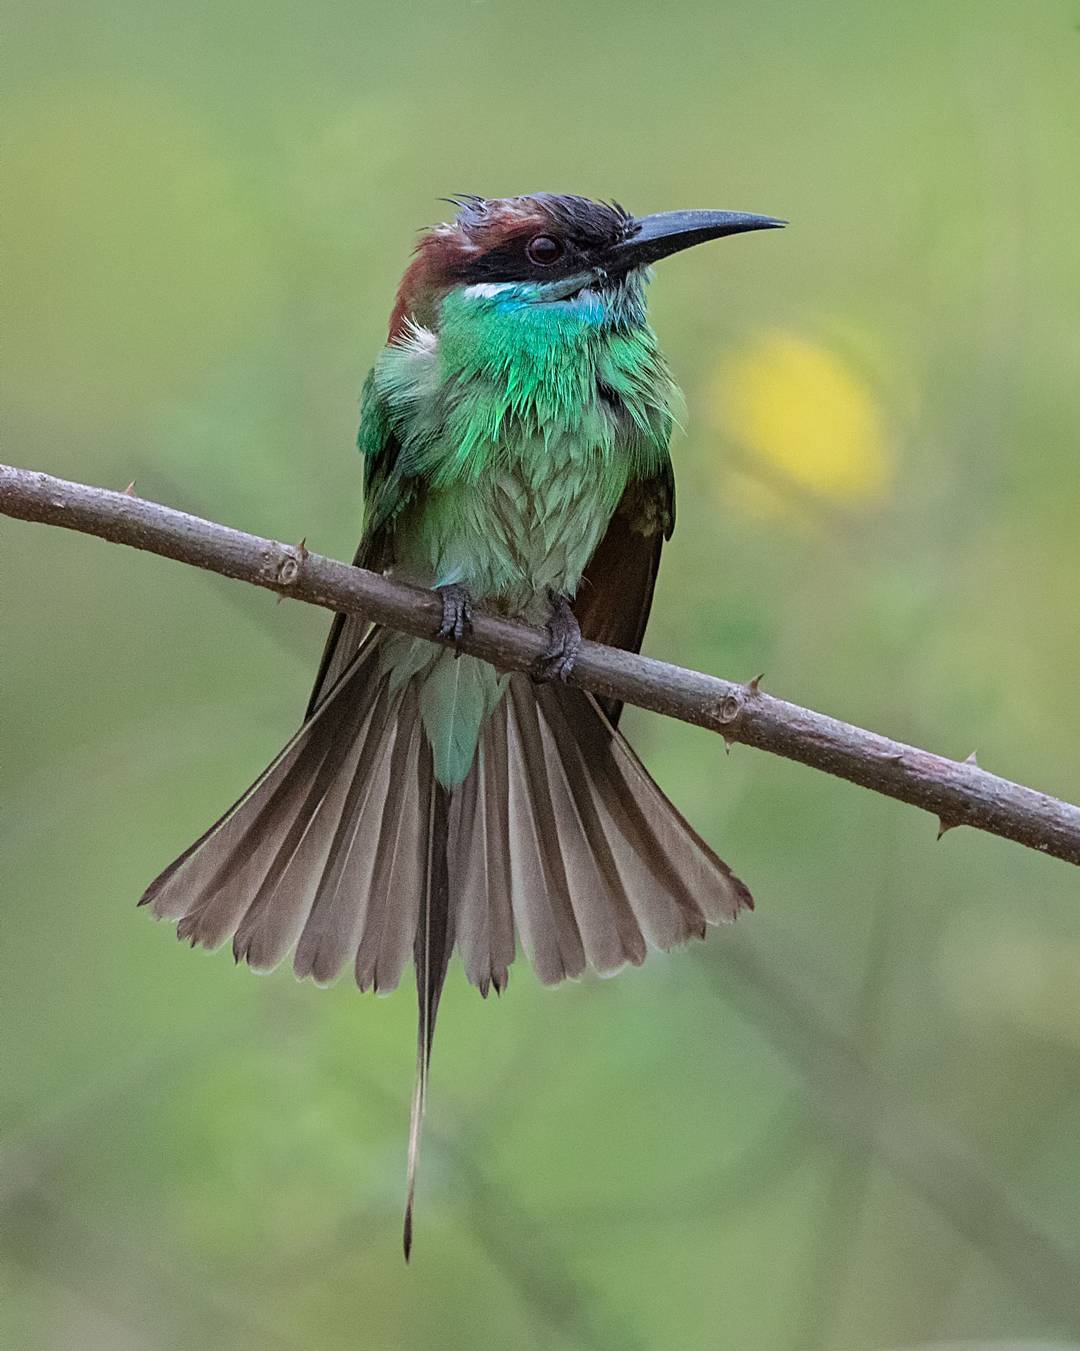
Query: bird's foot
[456, 611]
[558, 658]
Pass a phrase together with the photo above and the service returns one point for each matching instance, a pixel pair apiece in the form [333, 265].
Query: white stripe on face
[488, 290]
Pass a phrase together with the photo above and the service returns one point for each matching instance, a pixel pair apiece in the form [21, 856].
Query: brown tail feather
[609, 929]
[661, 859]
[399, 841]
[281, 908]
[434, 941]
[480, 875]
[331, 936]
[210, 887]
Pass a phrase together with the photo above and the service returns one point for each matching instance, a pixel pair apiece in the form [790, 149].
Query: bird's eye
[543, 250]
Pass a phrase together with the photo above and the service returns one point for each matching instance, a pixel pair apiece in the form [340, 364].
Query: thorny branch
[957, 792]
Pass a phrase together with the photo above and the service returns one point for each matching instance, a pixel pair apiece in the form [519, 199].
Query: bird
[514, 432]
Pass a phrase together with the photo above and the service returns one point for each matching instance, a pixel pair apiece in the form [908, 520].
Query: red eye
[543, 250]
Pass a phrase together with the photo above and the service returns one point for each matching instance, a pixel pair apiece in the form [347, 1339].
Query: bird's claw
[557, 660]
[456, 611]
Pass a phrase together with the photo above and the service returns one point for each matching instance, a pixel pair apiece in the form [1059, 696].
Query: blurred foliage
[852, 1122]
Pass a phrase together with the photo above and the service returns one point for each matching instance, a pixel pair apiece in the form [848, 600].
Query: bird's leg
[557, 660]
[456, 611]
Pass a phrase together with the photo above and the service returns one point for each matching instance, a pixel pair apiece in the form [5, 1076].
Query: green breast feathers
[497, 451]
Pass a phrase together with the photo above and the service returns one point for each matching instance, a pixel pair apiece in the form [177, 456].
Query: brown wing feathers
[615, 596]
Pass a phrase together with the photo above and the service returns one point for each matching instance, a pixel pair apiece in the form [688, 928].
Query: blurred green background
[853, 1121]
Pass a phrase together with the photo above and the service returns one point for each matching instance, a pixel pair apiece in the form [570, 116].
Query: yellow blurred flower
[805, 420]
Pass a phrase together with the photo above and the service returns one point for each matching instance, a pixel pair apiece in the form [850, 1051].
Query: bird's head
[547, 249]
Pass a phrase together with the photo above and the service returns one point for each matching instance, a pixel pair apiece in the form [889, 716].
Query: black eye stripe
[504, 236]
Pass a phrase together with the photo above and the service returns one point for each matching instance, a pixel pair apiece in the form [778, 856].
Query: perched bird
[515, 435]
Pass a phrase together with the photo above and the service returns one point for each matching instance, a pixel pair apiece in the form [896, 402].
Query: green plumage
[498, 449]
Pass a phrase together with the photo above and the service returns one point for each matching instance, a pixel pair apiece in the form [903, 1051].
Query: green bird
[515, 432]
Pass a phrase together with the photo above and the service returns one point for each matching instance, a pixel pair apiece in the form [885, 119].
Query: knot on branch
[289, 567]
[732, 706]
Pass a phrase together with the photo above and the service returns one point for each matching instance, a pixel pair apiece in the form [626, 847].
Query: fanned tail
[348, 849]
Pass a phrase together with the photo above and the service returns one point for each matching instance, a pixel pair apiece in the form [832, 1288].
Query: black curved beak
[669, 232]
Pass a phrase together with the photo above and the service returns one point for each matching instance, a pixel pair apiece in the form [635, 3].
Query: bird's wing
[385, 493]
[615, 596]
